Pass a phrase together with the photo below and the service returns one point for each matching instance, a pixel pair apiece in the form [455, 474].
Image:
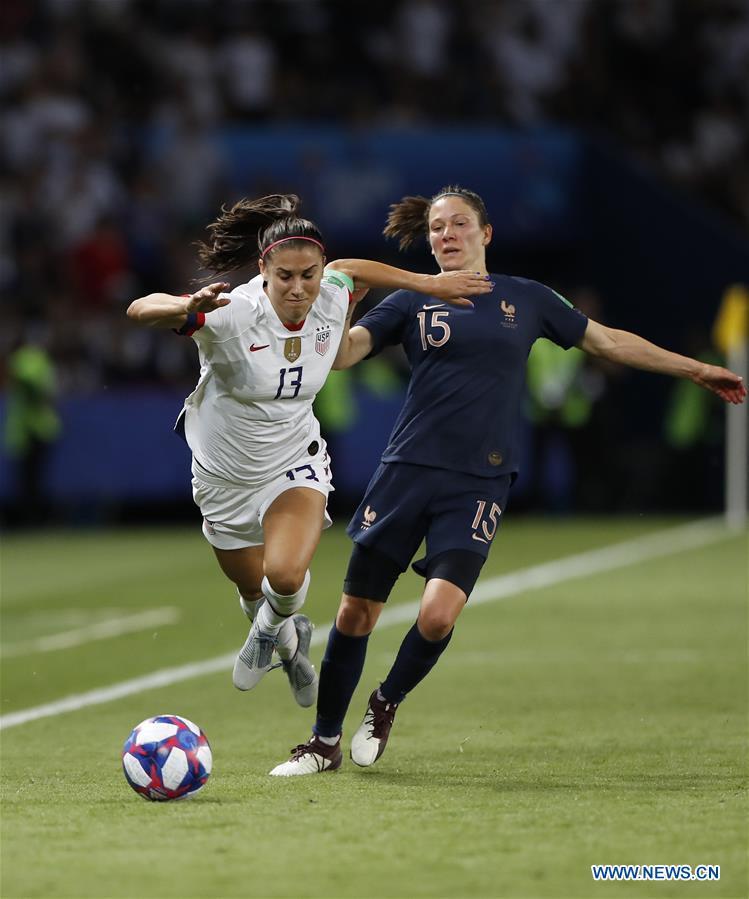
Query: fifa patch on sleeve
[339, 279]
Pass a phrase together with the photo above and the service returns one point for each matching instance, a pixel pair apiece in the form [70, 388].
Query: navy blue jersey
[468, 370]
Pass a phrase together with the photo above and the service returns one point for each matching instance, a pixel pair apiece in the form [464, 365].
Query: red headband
[284, 239]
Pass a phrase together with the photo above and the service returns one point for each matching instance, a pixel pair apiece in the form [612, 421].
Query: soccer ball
[167, 757]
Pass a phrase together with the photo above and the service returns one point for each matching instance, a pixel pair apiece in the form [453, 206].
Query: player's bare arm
[162, 310]
[452, 287]
[630, 349]
[356, 344]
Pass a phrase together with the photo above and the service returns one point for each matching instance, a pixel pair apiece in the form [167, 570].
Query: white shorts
[233, 514]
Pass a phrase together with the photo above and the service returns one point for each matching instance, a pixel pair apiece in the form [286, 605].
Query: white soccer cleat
[312, 757]
[370, 740]
[255, 658]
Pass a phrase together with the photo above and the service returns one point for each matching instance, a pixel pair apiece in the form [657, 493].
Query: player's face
[457, 239]
[293, 278]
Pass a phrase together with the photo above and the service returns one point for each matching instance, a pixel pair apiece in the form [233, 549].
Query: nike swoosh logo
[436, 306]
[254, 349]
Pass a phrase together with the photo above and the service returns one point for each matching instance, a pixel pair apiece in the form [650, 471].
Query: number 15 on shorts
[485, 524]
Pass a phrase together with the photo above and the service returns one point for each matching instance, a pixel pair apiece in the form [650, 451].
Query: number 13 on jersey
[294, 383]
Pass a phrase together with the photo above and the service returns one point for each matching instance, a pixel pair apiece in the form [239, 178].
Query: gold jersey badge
[292, 348]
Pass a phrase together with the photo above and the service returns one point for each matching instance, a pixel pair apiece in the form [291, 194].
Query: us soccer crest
[292, 348]
[322, 341]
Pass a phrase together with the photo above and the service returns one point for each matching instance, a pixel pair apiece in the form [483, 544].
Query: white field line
[580, 565]
[101, 630]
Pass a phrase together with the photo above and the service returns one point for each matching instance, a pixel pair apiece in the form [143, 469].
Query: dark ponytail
[410, 217]
[240, 234]
[407, 220]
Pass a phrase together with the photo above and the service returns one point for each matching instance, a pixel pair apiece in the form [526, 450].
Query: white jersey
[250, 416]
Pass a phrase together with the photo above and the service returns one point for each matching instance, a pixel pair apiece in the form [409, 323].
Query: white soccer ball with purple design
[167, 757]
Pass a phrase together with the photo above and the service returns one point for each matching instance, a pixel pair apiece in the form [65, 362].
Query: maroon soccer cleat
[371, 738]
[312, 757]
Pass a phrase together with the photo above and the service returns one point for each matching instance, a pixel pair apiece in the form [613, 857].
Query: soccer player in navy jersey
[451, 459]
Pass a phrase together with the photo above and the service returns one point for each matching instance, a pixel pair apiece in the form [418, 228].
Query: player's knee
[357, 617]
[288, 581]
[435, 625]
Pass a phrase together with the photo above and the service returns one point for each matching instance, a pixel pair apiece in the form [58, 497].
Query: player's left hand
[725, 383]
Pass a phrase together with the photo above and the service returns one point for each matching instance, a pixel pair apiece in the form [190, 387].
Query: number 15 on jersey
[438, 325]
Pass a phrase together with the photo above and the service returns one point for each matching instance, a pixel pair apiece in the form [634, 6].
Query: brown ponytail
[240, 234]
[407, 220]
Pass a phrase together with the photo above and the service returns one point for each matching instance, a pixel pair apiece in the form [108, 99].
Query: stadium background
[610, 140]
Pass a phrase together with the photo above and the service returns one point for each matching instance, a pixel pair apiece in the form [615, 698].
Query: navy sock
[416, 658]
[340, 671]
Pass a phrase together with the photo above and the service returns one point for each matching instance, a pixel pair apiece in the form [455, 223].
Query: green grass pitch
[598, 720]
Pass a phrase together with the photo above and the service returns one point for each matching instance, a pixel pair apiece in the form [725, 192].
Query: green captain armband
[339, 279]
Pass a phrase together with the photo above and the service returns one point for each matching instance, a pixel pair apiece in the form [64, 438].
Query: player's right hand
[208, 298]
[454, 287]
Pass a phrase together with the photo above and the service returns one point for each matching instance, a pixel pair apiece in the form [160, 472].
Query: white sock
[328, 741]
[248, 605]
[287, 640]
[279, 607]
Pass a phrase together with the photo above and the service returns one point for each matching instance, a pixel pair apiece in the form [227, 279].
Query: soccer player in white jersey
[261, 472]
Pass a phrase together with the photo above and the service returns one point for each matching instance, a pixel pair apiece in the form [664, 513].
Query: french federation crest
[322, 341]
[509, 312]
[292, 348]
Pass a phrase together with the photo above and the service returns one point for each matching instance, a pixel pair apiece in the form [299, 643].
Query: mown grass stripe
[99, 630]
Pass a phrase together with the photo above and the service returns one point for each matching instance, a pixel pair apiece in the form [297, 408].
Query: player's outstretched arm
[452, 287]
[356, 343]
[162, 310]
[630, 349]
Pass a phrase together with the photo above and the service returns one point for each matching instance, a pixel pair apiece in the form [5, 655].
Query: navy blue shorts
[405, 504]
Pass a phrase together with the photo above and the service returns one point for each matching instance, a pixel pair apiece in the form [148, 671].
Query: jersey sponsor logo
[368, 519]
[292, 348]
[254, 349]
[433, 306]
[322, 341]
[509, 312]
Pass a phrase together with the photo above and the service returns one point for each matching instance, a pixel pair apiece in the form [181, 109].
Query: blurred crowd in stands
[89, 220]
